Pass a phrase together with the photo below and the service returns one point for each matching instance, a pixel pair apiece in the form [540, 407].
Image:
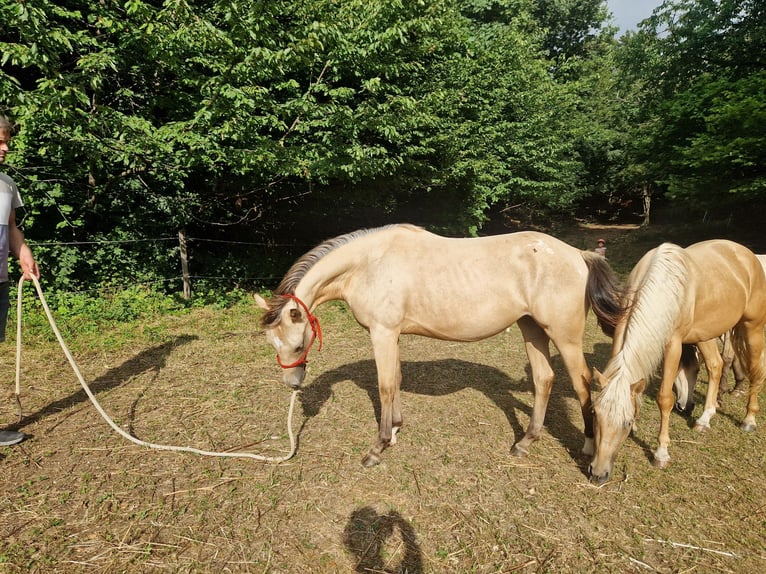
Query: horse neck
[324, 281]
[658, 299]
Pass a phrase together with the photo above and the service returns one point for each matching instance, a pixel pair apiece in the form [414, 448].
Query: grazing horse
[687, 376]
[402, 279]
[675, 296]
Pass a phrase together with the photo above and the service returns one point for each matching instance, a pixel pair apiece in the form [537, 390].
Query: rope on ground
[107, 418]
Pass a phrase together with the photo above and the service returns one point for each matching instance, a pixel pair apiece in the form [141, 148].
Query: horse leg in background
[739, 376]
[385, 345]
[665, 401]
[537, 346]
[749, 339]
[686, 380]
[714, 365]
[731, 363]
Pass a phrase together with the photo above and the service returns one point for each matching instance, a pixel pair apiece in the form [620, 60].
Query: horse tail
[604, 292]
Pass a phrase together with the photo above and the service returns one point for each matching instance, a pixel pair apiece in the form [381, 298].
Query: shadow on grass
[147, 361]
[448, 376]
[367, 532]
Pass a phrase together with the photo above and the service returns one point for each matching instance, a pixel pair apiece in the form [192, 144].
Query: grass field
[76, 497]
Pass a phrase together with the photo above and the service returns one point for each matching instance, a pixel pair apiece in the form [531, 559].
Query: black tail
[604, 292]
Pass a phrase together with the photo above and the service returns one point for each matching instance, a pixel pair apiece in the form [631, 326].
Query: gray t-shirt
[10, 199]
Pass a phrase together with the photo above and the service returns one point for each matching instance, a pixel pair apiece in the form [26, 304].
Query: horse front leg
[536, 343]
[714, 364]
[386, 349]
[665, 402]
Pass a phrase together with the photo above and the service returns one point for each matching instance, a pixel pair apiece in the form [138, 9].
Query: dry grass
[76, 497]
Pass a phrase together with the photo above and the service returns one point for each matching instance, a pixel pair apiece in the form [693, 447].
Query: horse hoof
[519, 451]
[747, 427]
[661, 464]
[370, 460]
[701, 428]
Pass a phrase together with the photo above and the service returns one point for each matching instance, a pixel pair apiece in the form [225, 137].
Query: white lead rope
[106, 416]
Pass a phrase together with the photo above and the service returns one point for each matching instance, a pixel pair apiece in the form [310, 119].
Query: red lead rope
[316, 332]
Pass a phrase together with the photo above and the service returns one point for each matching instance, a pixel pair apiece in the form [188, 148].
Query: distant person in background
[601, 247]
[11, 242]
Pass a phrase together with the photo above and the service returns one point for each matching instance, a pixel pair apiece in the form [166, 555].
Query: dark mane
[302, 266]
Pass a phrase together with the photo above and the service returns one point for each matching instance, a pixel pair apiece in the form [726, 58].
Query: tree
[700, 66]
[248, 119]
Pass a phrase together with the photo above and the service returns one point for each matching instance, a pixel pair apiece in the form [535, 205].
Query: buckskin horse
[677, 296]
[401, 279]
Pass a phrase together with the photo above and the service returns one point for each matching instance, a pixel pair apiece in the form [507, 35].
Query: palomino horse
[675, 296]
[687, 376]
[402, 279]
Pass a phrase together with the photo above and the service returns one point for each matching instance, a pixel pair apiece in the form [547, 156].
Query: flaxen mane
[305, 263]
[651, 319]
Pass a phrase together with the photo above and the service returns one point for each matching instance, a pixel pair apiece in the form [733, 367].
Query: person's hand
[31, 271]
[28, 264]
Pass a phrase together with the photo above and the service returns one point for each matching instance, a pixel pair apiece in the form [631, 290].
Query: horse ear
[638, 387]
[296, 316]
[599, 378]
[261, 302]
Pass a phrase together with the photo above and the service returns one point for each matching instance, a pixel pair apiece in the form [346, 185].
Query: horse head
[613, 420]
[686, 380]
[291, 329]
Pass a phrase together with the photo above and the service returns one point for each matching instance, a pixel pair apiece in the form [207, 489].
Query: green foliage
[720, 158]
[698, 118]
[264, 120]
[91, 312]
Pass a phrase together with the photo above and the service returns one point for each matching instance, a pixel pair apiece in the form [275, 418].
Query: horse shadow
[151, 360]
[448, 376]
[366, 533]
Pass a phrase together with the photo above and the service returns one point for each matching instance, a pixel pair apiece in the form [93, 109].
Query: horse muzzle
[684, 409]
[294, 377]
[600, 478]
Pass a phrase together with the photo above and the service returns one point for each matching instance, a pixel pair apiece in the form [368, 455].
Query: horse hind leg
[749, 346]
[580, 375]
[537, 347]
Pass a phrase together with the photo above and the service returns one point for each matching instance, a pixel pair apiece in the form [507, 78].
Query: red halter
[316, 332]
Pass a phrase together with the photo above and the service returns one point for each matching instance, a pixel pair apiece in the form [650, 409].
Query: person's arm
[21, 250]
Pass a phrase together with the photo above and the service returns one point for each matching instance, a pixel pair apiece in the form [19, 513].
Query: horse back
[465, 288]
[731, 281]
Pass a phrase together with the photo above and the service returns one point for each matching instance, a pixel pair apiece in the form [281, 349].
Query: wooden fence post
[184, 263]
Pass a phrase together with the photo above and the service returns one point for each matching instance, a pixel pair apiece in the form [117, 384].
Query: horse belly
[458, 328]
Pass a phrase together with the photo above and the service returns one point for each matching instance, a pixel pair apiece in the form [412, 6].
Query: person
[601, 247]
[11, 242]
